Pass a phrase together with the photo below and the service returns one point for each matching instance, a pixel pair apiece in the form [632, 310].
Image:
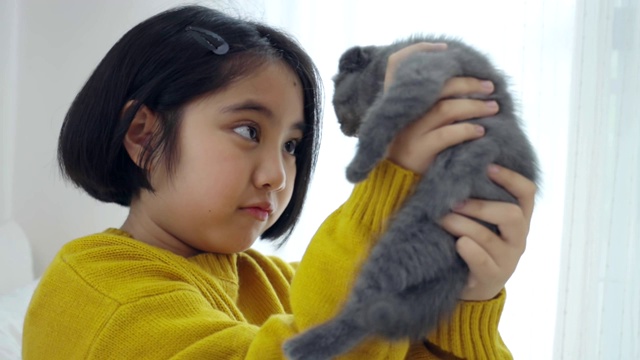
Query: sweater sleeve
[193, 331]
[470, 333]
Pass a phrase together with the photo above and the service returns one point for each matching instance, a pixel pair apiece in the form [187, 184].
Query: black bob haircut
[163, 64]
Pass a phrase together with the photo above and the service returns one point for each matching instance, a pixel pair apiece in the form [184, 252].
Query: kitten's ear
[355, 59]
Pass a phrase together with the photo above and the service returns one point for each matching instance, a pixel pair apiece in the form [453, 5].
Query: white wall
[60, 42]
[8, 65]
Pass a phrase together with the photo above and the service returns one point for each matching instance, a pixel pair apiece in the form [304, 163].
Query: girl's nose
[271, 173]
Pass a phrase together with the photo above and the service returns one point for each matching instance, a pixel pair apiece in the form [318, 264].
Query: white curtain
[8, 81]
[599, 303]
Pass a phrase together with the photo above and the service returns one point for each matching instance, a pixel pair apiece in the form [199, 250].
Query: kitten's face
[357, 85]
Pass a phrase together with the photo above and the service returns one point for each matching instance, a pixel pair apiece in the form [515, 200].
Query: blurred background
[573, 66]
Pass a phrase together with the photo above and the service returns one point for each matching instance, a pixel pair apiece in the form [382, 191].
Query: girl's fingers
[523, 189]
[490, 258]
[509, 218]
[446, 112]
[462, 226]
[415, 147]
[400, 55]
[416, 154]
[453, 87]
[453, 110]
[478, 259]
[459, 86]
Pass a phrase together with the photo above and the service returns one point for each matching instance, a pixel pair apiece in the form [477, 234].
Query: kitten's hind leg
[414, 249]
[410, 277]
[416, 311]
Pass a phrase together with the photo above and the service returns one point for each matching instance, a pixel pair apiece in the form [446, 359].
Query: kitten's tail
[325, 341]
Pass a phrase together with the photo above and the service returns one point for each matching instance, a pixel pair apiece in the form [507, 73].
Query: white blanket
[16, 264]
[16, 287]
[13, 307]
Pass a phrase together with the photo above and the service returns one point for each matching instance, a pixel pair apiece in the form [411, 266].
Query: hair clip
[209, 39]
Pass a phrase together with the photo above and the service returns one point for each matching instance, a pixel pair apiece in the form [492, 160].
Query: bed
[17, 283]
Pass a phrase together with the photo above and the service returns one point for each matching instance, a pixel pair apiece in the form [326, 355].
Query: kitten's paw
[356, 175]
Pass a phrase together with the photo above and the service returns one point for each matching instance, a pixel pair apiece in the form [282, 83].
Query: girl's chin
[233, 247]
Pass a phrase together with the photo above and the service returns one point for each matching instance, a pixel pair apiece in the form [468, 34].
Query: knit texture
[108, 296]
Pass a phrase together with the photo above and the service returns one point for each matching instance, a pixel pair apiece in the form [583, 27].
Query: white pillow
[13, 307]
[16, 264]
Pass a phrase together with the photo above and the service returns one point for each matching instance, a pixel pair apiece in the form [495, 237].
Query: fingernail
[479, 129]
[440, 45]
[487, 86]
[459, 206]
[491, 104]
[494, 169]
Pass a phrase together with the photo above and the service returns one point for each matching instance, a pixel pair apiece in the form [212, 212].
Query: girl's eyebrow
[252, 105]
[249, 105]
[300, 125]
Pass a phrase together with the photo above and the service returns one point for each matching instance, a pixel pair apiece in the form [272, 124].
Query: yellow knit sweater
[108, 296]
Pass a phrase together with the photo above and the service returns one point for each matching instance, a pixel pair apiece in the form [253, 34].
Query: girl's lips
[257, 212]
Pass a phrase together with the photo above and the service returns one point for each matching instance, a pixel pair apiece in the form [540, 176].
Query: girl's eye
[291, 146]
[247, 131]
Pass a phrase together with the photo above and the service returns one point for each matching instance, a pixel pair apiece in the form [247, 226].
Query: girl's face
[235, 170]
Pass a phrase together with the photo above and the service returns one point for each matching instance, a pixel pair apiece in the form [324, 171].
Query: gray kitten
[414, 277]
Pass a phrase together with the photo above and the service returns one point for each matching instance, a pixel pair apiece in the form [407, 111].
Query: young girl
[207, 128]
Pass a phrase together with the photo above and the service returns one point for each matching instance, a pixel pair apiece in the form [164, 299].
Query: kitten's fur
[414, 277]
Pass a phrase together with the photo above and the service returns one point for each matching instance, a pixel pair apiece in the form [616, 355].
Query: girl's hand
[492, 258]
[416, 146]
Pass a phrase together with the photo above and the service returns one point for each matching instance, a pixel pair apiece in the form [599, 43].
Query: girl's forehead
[267, 73]
[270, 79]
[269, 87]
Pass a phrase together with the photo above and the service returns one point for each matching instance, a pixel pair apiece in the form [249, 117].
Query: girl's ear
[140, 132]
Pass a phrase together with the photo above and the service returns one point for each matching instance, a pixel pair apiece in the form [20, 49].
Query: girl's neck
[144, 229]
